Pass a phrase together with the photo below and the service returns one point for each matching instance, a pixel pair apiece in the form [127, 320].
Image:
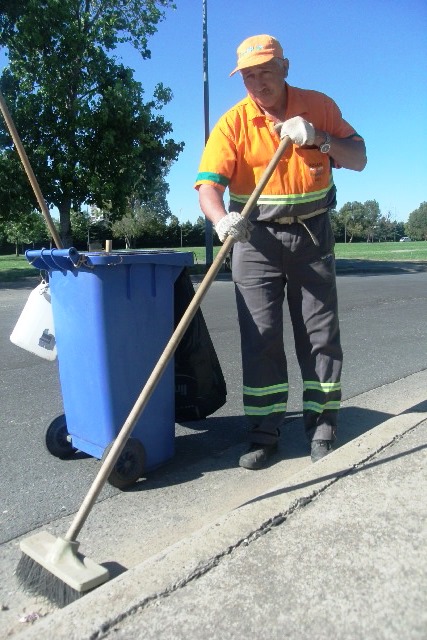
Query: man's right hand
[234, 225]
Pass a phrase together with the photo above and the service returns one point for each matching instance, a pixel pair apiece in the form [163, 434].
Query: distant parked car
[405, 239]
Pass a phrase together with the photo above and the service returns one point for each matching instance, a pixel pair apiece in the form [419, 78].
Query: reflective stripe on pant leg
[321, 403]
[265, 408]
[259, 296]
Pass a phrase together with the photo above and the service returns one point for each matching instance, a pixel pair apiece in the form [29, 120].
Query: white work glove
[234, 225]
[298, 130]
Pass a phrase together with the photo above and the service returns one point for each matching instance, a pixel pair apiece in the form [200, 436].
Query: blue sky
[369, 56]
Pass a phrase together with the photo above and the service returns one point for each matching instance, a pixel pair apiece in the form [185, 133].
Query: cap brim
[260, 59]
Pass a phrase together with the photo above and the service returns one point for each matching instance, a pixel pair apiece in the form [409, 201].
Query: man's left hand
[298, 130]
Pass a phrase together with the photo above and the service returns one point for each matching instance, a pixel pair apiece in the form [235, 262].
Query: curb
[193, 556]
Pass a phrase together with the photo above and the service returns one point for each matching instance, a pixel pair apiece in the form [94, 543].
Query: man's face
[265, 83]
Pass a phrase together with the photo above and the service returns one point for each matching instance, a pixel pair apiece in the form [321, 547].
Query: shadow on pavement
[376, 267]
[28, 282]
[421, 407]
[339, 474]
[216, 443]
[115, 568]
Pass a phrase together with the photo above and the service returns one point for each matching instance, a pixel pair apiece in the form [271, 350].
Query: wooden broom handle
[30, 173]
[165, 358]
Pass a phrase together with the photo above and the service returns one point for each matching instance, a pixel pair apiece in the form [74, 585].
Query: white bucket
[34, 330]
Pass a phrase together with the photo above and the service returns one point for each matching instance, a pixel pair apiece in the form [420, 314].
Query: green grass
[13, 268]
[199, 253]
[391, 251]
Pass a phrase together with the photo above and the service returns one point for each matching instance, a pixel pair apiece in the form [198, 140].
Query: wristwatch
[326, 145]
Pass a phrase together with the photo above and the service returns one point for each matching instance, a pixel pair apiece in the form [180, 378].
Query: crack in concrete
[265, 528]
[199, 572]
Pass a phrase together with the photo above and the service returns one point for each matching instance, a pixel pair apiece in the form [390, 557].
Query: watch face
[325, 147]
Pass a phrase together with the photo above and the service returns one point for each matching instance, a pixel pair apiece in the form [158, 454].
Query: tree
[174, 232]
[198, 233]
[89, 136]
[372, 216]
[25, 230]
[357, 221]
[80, 223]
[15, 191]
[399, 230]
[143, 218]
[351, 216]
[128, 228]
[416, 227]
[388, 229]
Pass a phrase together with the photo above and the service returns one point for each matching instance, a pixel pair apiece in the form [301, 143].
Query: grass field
[15, 267]
[395, 251]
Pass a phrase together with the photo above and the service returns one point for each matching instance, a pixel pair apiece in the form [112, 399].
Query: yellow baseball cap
[257, 50]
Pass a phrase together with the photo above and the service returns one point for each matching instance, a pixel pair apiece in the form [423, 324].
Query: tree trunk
[65, 222]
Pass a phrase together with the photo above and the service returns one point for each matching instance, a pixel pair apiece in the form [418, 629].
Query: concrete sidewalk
[338, 551]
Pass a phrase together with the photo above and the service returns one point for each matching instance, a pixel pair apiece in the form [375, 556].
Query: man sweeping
[286, 246]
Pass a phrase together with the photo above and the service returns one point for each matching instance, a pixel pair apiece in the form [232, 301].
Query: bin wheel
[130, 465]
[57, 440]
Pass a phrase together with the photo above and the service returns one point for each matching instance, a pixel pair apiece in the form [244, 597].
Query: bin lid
[68, 259]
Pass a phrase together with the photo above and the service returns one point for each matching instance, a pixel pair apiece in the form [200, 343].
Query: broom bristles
[41, 583]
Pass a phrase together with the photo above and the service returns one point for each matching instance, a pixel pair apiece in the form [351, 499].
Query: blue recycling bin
[113, 315]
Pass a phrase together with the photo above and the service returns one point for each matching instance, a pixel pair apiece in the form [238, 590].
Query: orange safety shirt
[243, 142]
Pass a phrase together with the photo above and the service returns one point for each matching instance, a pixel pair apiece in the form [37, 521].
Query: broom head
[52, 568]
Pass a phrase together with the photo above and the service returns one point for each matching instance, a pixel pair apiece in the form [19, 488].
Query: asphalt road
[383, 332]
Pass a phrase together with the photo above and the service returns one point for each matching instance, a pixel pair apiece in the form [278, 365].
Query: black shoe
[320, 449]
[257, 456]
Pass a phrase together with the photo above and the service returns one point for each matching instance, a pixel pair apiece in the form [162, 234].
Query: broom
[53, 567]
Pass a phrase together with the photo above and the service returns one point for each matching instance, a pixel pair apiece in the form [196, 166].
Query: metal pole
[208, 223]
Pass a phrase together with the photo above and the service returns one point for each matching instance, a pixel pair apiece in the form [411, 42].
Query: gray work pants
[278, 259]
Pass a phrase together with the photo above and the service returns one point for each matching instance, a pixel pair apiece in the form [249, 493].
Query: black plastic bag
[200, 387]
